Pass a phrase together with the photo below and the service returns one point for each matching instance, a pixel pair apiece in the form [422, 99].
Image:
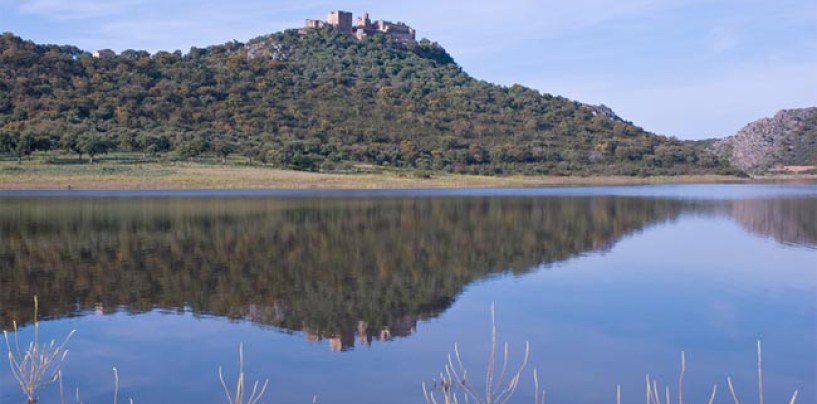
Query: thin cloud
[522, 19]
[172, 34]
[80, 9]
[723, 38]
[188, 23]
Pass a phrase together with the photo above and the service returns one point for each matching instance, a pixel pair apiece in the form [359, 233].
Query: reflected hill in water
[333, 268]
[788, 221]
[344, 269]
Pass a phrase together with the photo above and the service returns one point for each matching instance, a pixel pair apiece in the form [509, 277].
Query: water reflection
[350, 271]
[789, 221]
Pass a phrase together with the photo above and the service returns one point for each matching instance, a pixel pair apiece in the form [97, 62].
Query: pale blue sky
[685, 68]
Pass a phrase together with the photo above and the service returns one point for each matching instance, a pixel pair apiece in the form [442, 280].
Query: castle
[363, 27]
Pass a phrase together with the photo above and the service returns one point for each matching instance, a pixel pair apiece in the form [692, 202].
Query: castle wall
[313, 24]
[398, 30]
[363, 27]
[341, 20]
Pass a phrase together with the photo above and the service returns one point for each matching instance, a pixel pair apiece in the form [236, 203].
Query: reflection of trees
[331, 267]
[789, 221]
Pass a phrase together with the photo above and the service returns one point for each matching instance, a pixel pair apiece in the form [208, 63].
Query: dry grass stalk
[653, 392]
[681, 378]
[62, 392]
[497, 389]
[759, 374]
[649, 392]
[76, 392]
[536, 389]
[714, 391]
[732, 390]
[759, 381]
[115, 386]
[652, 386]
[36, 366]
[446, 386]
[240, 388]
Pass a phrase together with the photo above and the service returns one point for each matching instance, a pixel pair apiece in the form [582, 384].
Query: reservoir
[360, 296]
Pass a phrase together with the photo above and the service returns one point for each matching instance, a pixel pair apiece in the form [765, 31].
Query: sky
[692, 69]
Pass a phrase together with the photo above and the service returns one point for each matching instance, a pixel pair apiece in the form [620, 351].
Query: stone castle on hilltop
[362, 27]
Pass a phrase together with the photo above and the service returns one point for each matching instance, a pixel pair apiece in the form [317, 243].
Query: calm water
[360, 296]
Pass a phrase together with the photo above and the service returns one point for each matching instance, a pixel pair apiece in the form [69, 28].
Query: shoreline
[191, 176]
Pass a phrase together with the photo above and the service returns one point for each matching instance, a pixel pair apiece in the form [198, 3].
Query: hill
[787, 139]
[316, 100]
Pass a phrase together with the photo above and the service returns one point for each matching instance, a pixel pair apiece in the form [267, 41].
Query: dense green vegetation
[321, 101]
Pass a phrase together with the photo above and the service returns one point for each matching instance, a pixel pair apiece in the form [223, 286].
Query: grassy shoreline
[169, 176]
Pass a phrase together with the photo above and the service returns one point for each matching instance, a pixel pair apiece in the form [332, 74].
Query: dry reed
[240, 388]
[36, 366]
[652, 396]
[497, 389]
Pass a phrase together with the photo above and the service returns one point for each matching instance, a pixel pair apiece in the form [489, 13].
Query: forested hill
[319, 101]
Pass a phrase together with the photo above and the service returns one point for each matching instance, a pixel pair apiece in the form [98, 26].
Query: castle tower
[363, 21]
[341, 20]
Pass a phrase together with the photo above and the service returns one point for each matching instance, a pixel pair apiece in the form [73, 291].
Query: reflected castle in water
[350, 271]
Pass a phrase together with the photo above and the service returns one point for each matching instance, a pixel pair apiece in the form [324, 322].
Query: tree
[224, 147]
[305, 161]
[22, 145]
[93, 144]
[253, 151]
[6, 141]
[69, 141]
[190, 146]
[153, 145]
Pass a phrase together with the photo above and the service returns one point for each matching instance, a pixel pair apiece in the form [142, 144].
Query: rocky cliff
[787, 139]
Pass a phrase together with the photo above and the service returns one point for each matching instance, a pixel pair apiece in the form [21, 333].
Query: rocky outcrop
[604, 111]
[787, 139]
[267, 47]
